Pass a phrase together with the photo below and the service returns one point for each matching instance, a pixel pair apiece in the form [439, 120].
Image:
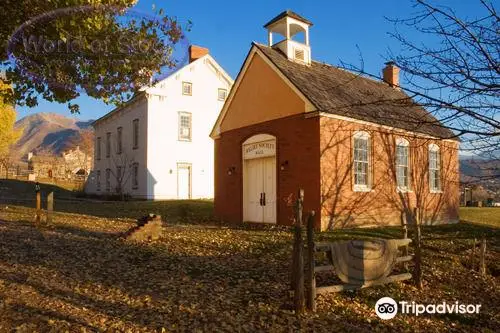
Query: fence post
[311, 278]
[405, 236]
[50, 207]
[482, 255]
[418, 249]
[298, 258]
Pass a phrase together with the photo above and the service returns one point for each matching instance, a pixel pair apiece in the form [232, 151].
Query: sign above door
[259, 149]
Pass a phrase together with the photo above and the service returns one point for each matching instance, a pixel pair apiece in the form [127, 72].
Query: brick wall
[342, 207]
[297, 141]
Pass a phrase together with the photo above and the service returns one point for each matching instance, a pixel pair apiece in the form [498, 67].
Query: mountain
[47, 132]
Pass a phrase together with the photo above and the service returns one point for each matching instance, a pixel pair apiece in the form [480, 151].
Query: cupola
[289, 24]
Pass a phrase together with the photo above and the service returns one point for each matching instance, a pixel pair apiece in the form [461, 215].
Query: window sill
[135, 187]
[185, 140]
[436, 191]
[404, 190]
[137, 147]
[362, 189]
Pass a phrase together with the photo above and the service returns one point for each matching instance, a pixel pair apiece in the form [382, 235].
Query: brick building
[364, 153]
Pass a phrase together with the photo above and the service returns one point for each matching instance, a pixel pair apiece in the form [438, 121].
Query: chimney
[390, 74]
[196, 52]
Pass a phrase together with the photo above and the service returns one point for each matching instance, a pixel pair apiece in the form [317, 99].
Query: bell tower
[288, 24]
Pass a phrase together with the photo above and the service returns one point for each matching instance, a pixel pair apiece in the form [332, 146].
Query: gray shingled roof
[343, 93]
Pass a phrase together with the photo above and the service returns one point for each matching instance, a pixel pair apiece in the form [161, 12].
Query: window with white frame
[98, 180]
[119, 142]
[403, 164]
[98, 149]
[135, 176]
[135, 133]
[187, 88]
[361, 161]
[108, 180]
[221, 94]
[184, 126]
[108, 144]
[118, 173]
[434, 168]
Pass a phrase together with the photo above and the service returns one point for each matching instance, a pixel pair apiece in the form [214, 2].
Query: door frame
[189, 166]
[258, 138]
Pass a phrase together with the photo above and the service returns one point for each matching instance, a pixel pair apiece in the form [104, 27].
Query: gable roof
[340, 92]
[290, 14]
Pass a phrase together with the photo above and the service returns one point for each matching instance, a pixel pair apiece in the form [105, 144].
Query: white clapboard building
[157, 145]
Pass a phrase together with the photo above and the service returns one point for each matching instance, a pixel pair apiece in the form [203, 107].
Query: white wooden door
[184, 181]
[260, 190]
[269, 190]
[253, 211]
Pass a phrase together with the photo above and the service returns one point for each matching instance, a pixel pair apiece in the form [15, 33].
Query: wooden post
[473, 255]
[50, 207]
[311, 278]
[405, 236]
[418, 250]
[38, 207]
[482, 255]
[298, 259]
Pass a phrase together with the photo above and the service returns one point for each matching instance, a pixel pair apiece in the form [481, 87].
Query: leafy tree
[8, 135]
[57, 49]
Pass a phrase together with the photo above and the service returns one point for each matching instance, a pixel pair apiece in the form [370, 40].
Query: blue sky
[228, 27]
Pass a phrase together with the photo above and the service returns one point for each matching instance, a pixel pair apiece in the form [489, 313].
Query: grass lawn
[78, 275]
[483, 215]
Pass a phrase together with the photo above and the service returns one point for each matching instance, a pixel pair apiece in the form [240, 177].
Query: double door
[260, 190]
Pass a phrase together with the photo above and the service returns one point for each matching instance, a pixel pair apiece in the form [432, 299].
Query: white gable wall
[165, 150]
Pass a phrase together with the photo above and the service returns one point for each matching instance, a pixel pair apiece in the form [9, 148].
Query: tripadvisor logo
[387, 308]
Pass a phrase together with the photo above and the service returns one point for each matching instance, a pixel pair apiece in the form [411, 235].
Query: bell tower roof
[288, 13]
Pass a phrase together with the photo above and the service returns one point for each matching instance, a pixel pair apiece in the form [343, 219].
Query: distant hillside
[48, 132]
[481, 171]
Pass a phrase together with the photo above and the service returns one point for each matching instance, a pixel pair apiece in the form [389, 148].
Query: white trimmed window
[108, 180]
[221, 94]
[119, 142]
[108, 144]
[98, 180]
[135, 134]
[187, 88]
[361, 161]
[403, 164]
[184, 126]
[434, 168]
[98, 149]
[135, 176]
[118, 173]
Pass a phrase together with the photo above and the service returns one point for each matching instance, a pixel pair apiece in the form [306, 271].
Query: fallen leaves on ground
[78, 275]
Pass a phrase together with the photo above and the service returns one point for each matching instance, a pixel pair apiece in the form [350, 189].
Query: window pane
[361, 160]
